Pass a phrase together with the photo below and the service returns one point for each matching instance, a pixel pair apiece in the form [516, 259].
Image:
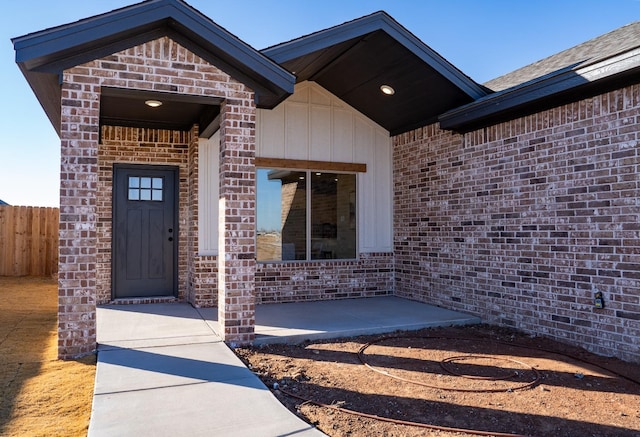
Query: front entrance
[145, 231]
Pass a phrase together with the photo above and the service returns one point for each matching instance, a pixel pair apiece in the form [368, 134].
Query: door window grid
[141, 188]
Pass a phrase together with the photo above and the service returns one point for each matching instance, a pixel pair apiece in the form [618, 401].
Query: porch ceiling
[123, 107]
[354, 59]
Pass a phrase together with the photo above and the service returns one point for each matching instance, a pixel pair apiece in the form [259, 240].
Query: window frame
[308, 220]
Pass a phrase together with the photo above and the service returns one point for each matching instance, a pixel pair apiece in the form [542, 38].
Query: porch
[149, 353]
[275, 323]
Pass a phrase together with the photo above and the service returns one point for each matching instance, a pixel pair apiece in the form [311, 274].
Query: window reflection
[333, 230]
[291, 202]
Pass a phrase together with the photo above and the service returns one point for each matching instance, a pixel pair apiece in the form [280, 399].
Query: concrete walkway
[163, 371]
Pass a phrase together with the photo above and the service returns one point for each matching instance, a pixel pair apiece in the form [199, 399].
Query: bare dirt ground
[488, 380]
[39, 395]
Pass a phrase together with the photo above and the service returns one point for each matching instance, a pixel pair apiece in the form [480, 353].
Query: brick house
[349, 163]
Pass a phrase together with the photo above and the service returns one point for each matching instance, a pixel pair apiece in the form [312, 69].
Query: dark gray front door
[144, 231]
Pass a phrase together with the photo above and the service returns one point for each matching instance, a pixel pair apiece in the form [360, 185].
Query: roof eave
[362, 26]
[545, 92]
[51, 51]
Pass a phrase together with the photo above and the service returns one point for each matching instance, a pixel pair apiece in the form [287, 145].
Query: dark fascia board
[51, 51]
[305, 45]
[41, 47]
[569, 84]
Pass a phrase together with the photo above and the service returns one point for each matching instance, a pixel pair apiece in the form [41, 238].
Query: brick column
[236, 236]
[77, 250]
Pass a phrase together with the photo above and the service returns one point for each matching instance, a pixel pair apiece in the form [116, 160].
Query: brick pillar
[237, 225]
[77, 250]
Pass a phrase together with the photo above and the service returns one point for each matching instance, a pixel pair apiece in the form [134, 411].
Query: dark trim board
[299, 164]
[564, 86]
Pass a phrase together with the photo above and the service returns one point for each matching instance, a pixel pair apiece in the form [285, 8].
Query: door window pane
[145, 188]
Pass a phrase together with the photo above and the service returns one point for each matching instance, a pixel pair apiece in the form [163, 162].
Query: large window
[305, 215]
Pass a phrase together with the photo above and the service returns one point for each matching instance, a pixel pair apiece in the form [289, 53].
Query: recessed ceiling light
[388, 90]
[153, 103]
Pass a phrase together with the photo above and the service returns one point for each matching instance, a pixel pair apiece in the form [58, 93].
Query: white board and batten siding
[312, 124]
[208, 190]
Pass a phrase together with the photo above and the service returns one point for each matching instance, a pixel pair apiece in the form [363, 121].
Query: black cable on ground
[551, 351]
[573, 357]
[398, 421]
[435, 387]
[444, 428]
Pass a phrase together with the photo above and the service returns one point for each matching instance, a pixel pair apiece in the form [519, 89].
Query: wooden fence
[28, 241]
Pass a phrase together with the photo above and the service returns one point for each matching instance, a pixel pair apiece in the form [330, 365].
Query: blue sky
[484, 39]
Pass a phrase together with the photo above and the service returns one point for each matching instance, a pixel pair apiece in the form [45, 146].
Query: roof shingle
[615, 42]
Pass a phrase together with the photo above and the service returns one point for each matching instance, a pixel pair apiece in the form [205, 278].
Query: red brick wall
[237, 218]
[159, 65]
[77, 244]
[523, 222]
[370, 275]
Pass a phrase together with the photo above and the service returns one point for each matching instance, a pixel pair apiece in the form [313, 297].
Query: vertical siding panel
[270, 133]
[208, 195]
[367, 185]
[383, 173]
[342, 145]
[297, 130]
[320, 125]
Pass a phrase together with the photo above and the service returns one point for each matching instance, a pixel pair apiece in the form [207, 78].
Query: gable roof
[3, 203]
[43, 56]
[351, 60]
[601, 64]
[599, 48]
[354, 59]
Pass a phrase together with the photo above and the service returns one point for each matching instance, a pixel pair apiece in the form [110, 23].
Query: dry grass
[40, 396]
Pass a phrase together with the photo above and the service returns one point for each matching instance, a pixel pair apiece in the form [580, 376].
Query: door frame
[176, 218]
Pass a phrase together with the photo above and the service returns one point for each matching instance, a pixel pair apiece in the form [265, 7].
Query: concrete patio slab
[300, 321]
[163, 370]
[296, 322]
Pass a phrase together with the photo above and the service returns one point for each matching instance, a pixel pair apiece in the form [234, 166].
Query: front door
[144, 231]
